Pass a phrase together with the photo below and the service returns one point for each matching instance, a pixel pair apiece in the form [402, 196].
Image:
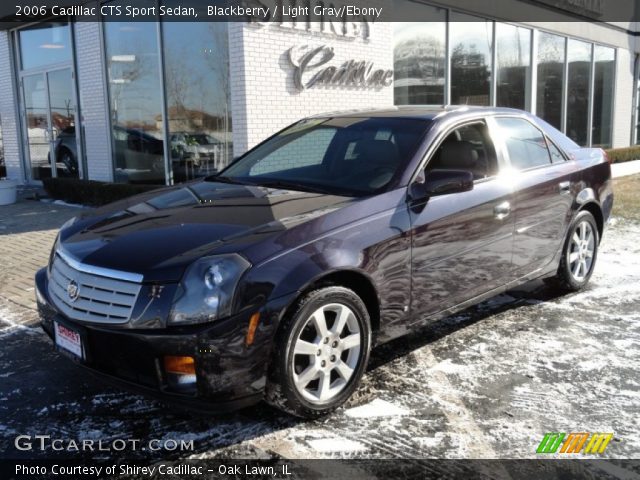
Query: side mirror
[441, 182]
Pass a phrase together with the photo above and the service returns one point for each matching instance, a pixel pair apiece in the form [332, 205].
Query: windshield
[341, 156]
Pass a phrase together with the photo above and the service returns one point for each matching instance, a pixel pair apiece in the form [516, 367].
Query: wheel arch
[354, 280]
[594, 209]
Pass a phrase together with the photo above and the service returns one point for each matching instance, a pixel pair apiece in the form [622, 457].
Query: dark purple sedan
[275, 278]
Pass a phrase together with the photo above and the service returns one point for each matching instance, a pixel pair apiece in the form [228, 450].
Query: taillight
[605, 155]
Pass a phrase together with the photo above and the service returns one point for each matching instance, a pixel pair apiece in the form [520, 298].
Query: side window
[467, 148]
[307, 150]
[526, 145]
[556, 154]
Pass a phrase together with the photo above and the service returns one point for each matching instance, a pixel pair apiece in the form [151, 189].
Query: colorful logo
[574, 442]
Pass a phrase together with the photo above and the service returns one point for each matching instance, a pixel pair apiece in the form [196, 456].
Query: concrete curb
[625, 168]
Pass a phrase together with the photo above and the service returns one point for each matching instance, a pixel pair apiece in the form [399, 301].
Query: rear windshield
[342, 156]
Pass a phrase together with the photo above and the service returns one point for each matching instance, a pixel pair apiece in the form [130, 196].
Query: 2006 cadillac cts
[275, 278]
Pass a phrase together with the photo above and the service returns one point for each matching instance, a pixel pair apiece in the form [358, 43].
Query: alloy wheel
[326, 353]
[581, 251]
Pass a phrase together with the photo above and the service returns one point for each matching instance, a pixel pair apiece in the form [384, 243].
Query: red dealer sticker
[68, 339]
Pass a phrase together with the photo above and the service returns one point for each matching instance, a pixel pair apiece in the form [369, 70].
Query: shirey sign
[311, 69]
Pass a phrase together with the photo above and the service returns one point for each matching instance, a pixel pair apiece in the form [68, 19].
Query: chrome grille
[100, 298]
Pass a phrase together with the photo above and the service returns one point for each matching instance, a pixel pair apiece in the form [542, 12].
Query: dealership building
[165, 101]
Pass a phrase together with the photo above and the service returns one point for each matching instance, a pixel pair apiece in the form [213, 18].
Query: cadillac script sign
[312, 68]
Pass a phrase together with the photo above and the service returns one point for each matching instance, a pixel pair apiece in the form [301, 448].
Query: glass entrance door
[50, 113]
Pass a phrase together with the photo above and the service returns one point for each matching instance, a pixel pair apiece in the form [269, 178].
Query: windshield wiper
[293, 186]
[223, 179]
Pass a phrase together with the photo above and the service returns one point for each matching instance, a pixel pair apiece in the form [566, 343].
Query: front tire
[320, 354]
[579, 253]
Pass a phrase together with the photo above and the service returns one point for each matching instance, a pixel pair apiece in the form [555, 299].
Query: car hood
[160, 233]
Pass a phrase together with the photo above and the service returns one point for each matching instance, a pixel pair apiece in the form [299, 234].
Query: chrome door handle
[502, 210]
[565, 187]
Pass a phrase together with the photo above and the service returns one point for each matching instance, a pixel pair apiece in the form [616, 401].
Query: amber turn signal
[181, 365]
[253, 325]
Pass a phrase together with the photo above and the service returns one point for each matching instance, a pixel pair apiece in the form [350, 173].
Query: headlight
[206, 290]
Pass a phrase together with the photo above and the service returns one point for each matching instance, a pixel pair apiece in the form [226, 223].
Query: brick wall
[264, 97]
[93, 101]
[8, 112]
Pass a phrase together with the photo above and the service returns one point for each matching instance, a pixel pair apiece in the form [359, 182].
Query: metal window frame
[18, 74]
[168, 167]
[635, 117]
[592, 80]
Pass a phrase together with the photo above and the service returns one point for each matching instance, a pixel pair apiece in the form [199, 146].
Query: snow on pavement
[487, 382]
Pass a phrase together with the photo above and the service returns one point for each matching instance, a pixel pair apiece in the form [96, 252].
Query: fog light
[180, 371]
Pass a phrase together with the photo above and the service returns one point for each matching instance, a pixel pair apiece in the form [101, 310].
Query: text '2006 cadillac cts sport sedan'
[275, 278]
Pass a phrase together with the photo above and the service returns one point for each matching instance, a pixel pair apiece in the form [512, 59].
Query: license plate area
[68, 341]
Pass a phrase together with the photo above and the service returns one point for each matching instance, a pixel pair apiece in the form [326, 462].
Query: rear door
[545, 183]
[462, 242]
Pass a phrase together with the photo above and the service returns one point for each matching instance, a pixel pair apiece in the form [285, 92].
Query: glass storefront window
[198, 93]
[513, 65]
[471, 47]
[579, 73]
[135, 101]
[604, 81]
[550, 78]
[420, 57]
[44, 44]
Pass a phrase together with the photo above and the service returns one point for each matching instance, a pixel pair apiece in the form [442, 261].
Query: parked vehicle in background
[274, 279]
[66, 152]
[198, 153]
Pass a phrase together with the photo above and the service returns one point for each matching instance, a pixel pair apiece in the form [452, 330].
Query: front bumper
[229, 374]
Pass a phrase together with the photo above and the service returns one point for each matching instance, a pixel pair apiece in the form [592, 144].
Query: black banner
[321, 469]
[304, 11]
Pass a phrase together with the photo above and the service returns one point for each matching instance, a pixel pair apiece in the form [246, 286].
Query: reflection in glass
[196, 61]
[579, 65]
[135, 101]
[550, 78]
[419, 58]
[45, 44]
[513, 66]
[471, 45]
[35, 104]
[604, 81]
[62, 113]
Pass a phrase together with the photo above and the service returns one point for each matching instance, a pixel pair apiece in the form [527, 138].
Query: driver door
[462, 243]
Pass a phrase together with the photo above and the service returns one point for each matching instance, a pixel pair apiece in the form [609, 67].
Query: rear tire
[320, 353]
[579, 253]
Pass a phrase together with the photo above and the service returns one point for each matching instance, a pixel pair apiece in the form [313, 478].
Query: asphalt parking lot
[486, 383]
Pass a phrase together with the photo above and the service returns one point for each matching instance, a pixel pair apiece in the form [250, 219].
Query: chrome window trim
[99, 271]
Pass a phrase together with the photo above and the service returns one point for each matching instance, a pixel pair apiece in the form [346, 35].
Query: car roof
[421, 112]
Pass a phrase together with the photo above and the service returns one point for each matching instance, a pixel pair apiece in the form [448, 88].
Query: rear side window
[526, 145]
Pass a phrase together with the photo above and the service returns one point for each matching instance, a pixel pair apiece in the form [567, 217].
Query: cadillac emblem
[73, 290]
